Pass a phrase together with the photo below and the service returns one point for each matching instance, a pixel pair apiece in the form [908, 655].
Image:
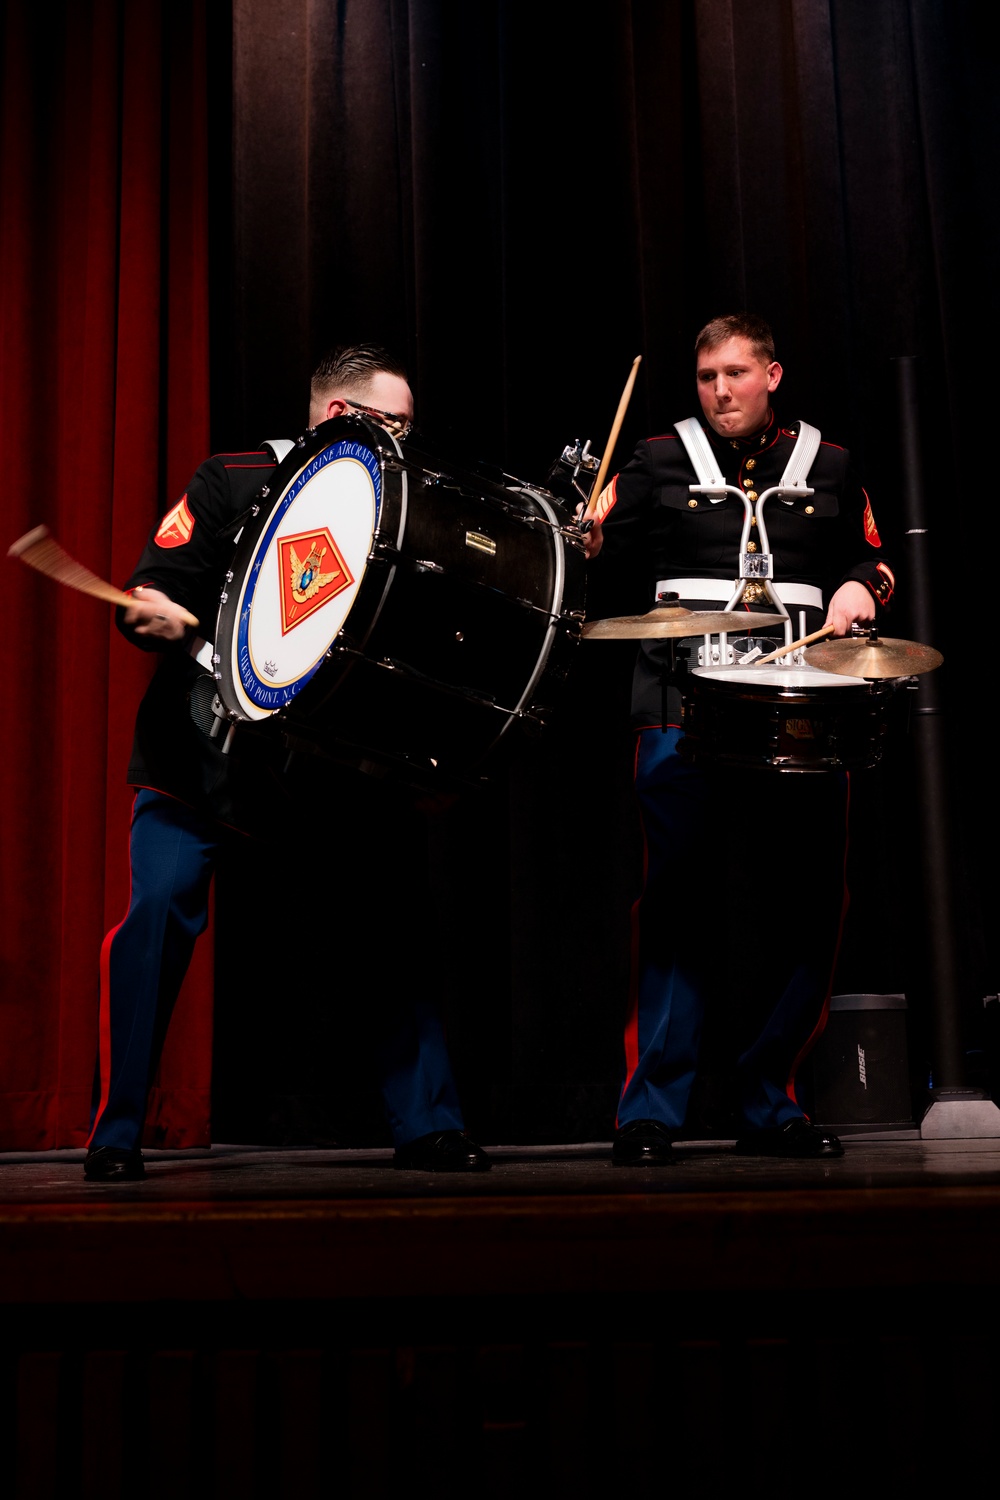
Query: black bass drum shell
[397, 612]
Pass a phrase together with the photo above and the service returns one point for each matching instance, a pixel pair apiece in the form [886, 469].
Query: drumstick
[39, 549]
[615, 428]
[805, 641]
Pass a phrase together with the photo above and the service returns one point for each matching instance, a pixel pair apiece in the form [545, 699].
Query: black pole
[929, 762]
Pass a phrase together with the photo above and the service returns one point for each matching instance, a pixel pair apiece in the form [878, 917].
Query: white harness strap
[710, 478]
[279, 447]
[805, 450]
[699, 451]
[706, 465]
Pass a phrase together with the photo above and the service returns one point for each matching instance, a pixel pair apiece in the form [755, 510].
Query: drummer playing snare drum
[765, 993]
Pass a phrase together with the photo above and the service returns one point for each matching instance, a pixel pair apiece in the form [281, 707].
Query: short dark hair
[350, 367]
[737, 326]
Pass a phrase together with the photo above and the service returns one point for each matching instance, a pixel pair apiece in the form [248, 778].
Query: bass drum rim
[388, 505]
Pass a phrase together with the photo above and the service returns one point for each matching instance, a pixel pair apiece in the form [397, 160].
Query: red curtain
[104, 396]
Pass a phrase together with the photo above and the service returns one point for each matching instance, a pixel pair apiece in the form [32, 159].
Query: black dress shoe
[112, 1164]
[797, 1138]
[441, 1151]
[642, 1143]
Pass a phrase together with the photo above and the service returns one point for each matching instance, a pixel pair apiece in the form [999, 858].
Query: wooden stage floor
[314, 1323]
[235, 1222]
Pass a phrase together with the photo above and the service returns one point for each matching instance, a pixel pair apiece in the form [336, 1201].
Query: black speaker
[858, 1073]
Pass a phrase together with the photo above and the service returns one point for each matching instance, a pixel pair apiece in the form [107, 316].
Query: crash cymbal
[670, 620]
[873, 656]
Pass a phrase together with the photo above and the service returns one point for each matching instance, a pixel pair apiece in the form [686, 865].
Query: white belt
[717, 588]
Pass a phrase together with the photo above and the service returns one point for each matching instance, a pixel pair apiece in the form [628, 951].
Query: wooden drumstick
[805, 641]
[39, 549]
[612, 440]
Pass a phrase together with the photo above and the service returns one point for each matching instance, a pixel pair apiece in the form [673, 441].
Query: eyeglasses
[395, 425]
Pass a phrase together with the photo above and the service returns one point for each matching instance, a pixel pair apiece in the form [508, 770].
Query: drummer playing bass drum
[721, 847]
[189, 796]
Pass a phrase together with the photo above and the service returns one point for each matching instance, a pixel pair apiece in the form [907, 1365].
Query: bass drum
[395, 612]
[788, 719]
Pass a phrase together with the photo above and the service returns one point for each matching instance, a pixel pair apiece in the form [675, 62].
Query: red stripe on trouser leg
[631, 1039]
[104, 1011]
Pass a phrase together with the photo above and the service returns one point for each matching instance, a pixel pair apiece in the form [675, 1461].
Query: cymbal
[671, 621]
[860, 656]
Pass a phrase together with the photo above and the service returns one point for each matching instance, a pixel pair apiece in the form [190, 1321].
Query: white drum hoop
[332, 504]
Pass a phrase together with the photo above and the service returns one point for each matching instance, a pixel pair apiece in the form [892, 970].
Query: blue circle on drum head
[258, 691]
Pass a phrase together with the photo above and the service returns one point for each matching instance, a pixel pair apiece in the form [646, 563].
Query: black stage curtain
[522, 198]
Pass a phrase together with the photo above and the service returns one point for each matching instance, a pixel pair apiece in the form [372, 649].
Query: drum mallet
[39, 549]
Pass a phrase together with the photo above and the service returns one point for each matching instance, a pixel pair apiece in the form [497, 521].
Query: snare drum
[395, 612]
[783, 718]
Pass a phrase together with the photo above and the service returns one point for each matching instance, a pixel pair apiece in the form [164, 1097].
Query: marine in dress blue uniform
[190, 796]
[721, 846]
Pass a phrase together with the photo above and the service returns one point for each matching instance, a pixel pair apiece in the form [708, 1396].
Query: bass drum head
[297, 572]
